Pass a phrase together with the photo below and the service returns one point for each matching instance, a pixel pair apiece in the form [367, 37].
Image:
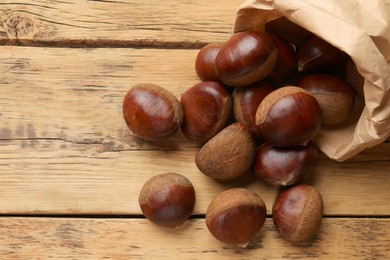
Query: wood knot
[19, 26]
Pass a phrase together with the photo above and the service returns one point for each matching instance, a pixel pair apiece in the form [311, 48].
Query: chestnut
[297, 212]
[235, 216]
[288, 116]
[206, 109]
[289, 31]
[286, 63]
[205, 62]
[334, 95]
[318, 55]
[227, 155]
[353, 77]
[152, 112]
[167, 199]
[246, 100]
[245, 58]
[284, 166]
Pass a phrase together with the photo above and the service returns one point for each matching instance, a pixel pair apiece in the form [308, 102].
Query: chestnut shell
[206, 108]
[289, 116]
[317, 55]
[167, 199]
[334, 95]
[235, 216]
[297, 212]
[284, 166]
[286, 64]
[227, 155]
[152, 112]
[245, 58]
[205, 62]
[246, 100]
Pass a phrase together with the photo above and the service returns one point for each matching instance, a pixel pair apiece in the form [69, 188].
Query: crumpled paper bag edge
[370, 130]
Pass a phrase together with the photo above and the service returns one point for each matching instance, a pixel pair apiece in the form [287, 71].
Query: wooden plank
[184, 24]
[48, 238]
[81, 90]
[65, 149]
[58, 177]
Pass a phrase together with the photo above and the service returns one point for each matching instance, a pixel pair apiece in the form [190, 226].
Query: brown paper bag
[361, 29]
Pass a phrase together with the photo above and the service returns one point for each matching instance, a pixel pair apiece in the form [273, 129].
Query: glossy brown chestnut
[205, 62]
[334, 95]
[354, 78]
[297, 212]
[206, 109]
[235, 216]
[289, 116]
[246, 100]
[318, 55]
[286, 63]
[284, 166]
[245, 58]
[289, 31]
[152, 112]
[167, 199]
[227, 155]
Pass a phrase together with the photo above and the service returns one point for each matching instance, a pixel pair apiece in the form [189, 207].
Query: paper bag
[361, 29]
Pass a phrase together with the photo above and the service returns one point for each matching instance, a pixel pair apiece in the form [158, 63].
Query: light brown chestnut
[227, 155]
[205, 62]
[246, 100]
[152, 112]
[354, 78]
[235, 216]
[297, 212]
[288, 116]
[245, 58]
[318, 55]
[206, 108]
[167, 199]
[284, 166]
[334, 95]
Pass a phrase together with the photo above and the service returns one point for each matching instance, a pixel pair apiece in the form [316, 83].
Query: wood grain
[65, 149]
[184, 24]
[48, 238]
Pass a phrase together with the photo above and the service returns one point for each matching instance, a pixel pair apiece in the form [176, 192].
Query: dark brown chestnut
[246, 100]
[288, 116]
[235, 216]
[318, 55]
[289, 31]
[206, 108]
[334, 95]
[297, 212]
[227, 155]
[152, 112]
[286, 63]
[167, 199]
[354, 78]
[284, 166]
[205, 62]
[245, 58]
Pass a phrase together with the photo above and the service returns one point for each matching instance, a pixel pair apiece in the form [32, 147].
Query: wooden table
[71, 171]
